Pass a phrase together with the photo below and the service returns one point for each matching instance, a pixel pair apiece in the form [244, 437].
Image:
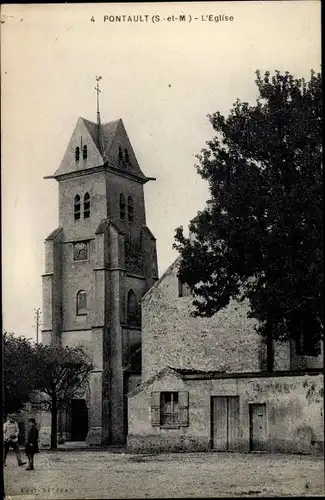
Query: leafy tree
[18, 375]
[61, 373]
[261, 237]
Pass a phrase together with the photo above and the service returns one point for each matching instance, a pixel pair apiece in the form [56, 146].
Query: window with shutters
[169, 409]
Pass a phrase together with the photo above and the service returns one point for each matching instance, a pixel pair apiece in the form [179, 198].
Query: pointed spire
[99, 138]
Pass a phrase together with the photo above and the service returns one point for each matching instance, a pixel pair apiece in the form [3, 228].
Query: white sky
[161, 78]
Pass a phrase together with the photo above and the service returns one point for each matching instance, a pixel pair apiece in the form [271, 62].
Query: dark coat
[32, 441]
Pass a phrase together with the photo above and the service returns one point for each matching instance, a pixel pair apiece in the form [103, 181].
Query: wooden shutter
[183, 408]
[155, 409]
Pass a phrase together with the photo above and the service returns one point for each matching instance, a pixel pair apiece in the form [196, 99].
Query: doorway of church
[79, 420]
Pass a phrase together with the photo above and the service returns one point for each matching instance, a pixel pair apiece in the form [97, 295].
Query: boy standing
[32, 443]
[10, 435]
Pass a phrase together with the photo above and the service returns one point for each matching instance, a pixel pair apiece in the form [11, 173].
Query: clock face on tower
[80, 250]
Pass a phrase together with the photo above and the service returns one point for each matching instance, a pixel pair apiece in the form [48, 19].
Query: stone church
[99, 263]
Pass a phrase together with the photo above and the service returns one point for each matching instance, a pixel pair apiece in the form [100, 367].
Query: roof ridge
[104, 223]
[168, 270]
[114, 135]
[152, 379]
[54, 234]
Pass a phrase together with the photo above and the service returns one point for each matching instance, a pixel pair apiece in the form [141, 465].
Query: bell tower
[99, 262]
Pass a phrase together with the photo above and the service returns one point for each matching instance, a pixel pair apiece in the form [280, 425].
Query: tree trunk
[269, 348]
[54, 423]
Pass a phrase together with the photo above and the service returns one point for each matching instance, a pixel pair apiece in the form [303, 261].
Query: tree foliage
[18, 377]
[261, 237]
[62, 372]
[47, 374]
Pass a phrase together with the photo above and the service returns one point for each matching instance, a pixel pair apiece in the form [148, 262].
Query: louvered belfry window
[122, 206]
[76, 207]
[87, 206]
[130, 209]
[133, 309]
[120, 154]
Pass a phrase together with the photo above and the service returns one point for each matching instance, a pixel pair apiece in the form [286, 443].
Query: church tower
[99, 262]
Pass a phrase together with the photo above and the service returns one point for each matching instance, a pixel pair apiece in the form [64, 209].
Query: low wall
[171, 443]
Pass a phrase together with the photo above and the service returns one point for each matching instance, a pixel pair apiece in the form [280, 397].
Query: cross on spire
[99, 136]
[98, 78]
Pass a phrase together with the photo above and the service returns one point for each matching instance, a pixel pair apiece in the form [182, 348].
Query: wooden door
[225, 423]
[257, 413]
[219, 423]
[233, 423]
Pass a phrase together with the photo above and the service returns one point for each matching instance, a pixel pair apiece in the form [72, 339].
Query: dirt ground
[102, 474]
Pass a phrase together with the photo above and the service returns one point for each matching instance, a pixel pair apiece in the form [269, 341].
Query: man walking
[32, 443]
[11, 433]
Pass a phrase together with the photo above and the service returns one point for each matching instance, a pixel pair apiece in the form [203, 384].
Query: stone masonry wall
[172, 337]
[294, 413]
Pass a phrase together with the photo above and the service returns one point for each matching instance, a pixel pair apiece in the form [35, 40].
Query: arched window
[126, 155]
[87, 206]
[76, 207]
[77, 153]
[84, 152]
[130, 209]
[122, 207]
[81, 303]
[133, 309]
[120, 155]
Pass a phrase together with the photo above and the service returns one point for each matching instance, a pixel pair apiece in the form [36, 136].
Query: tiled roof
[108, 131]
[187, 374]
[151, 380]
[145, 228]
[104, 224]
[211, 374]
[104, 151]
[168, 271]
[54, 234]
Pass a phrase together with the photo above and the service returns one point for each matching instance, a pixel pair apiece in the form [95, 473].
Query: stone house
[204, 384]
